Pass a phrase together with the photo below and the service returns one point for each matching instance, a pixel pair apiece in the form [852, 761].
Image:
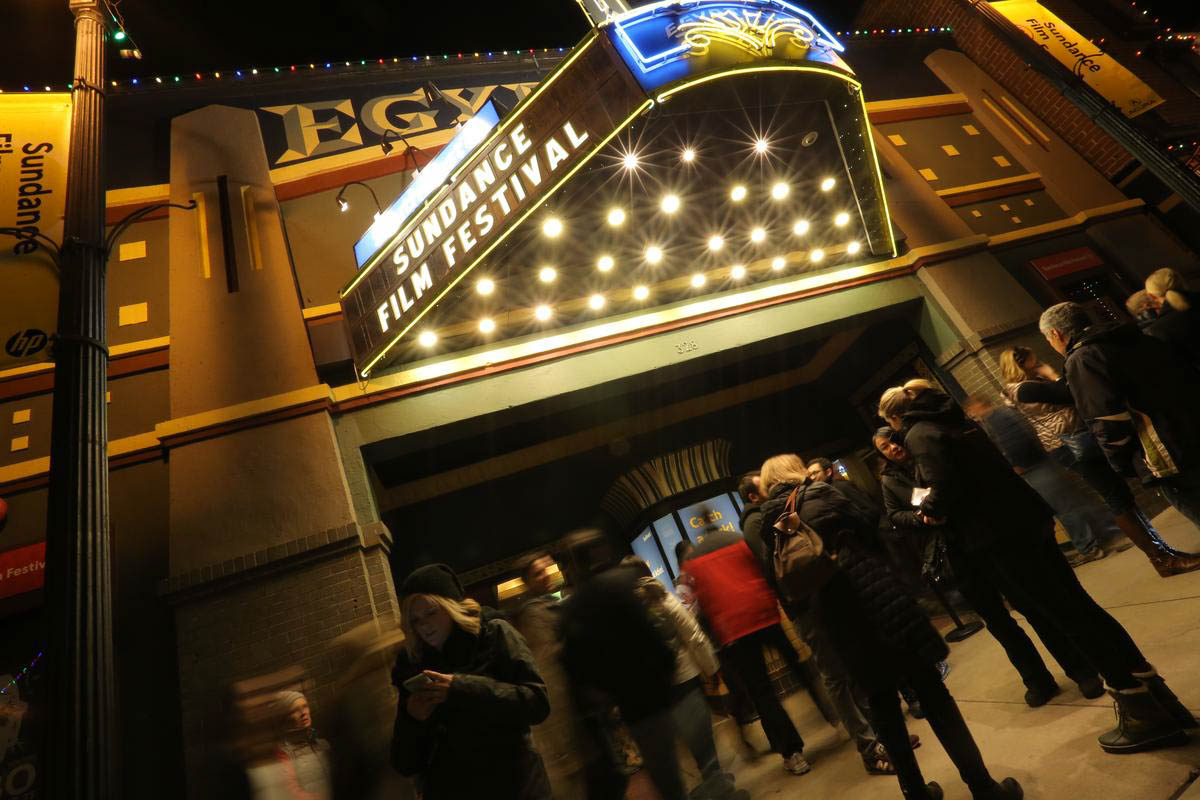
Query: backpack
[801, 562]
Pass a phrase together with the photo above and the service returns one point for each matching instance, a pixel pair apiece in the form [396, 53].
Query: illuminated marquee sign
[753, 31]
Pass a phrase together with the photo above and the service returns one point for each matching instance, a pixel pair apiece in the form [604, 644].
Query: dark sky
[206, 35]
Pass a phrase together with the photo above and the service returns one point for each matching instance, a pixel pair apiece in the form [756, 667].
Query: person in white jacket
[694, 655]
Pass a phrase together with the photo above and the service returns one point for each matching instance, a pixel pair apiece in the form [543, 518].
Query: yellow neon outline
[462, 273]
[501, 129]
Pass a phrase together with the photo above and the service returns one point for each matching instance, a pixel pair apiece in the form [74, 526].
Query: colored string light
[24, 671]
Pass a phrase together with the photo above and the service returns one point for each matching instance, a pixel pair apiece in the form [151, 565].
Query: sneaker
[943, 668]
[1117, 544]
[1078, 559]
[796, 764]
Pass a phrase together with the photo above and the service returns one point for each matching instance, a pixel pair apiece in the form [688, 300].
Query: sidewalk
[1051, 750]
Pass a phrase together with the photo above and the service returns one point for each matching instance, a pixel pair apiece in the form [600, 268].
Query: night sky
[205, 35]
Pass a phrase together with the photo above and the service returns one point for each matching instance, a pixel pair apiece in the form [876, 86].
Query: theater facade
[453, 307]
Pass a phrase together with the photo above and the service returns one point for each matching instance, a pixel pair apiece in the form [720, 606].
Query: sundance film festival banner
[1073, 50]
[34, 132]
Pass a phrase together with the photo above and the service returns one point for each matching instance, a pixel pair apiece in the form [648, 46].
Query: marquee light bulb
[485, 286]
[738, 272]
[547, 274]
[615, 216]
[552, 227]
[738, 193]
[817, 255]
[760, 145]
[427, 339]
[827, 184]
[778, 263]
[842, 219]
[715, 243]
[640, 293]
[654, 254]
[780, 190]
[670, 204]
[605, 263]
[487, 325]
[853, 248]
[688, 155]
[629, 161]
[698, 280]
[542, 312]
[801, 227]
[758, 235]
[596, 302]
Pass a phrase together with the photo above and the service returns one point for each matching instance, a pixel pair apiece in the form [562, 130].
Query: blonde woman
[1179, 313]
[469, 692]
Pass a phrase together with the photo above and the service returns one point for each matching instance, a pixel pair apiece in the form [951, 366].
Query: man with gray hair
[1140, 402]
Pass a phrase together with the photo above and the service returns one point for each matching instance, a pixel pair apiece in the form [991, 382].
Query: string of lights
[23, 673]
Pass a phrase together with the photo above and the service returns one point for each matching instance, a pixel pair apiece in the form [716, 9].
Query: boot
[1166, 698]
[1007, 789]
[1142, 723]
[1164, 558]
[931, 791]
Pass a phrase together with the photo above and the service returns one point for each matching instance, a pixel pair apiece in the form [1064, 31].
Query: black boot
[1036, 696]
[1166, 698]
[1142, 723]
[1091, 687]
[930, 791]
[1007, 789]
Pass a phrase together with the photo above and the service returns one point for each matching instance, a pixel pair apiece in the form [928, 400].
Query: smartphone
[417, 682]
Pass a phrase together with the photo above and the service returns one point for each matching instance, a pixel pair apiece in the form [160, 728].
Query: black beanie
[436, 579]
[891, 434]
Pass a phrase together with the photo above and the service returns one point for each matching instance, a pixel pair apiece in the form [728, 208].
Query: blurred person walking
[469, 692]
[303, 755]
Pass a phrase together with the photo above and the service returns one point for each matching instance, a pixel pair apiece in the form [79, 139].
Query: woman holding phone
[469, 692]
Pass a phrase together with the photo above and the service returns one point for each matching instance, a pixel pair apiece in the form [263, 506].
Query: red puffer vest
[731, 590]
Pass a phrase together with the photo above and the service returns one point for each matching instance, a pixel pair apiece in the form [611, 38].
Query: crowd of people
[533, 702]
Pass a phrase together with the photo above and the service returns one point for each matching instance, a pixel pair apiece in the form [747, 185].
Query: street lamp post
[79, 760]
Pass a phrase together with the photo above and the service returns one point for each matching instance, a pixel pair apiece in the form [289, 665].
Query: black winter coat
[864, 610]
[1116, 372]
[1180, 329]
[971, 487]
[477, 743]
[750, 522]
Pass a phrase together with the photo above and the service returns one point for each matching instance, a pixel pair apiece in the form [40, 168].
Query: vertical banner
[1073, 50]
[34, 137]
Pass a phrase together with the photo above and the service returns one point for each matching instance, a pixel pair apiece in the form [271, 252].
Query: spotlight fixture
[547, 274]
[654, 254]
[542, 312]
[629, 161]
[605, 263]
[738, 193]
[715, 243]
[552, 227]
[842, 219]
[640, 293]
[615, 216]
[827, 184]
[389, 135]
[780, 190]
[596, 302]
[344, 205]
[698, 280]
[487, 325]
[853, 248]
[758, 235]
[778, 263]
[817, 255]
[801, 227]
[670, 204]
[738, 272]
[485, 286]
[760, 145]
[688, 155]
[427, 339]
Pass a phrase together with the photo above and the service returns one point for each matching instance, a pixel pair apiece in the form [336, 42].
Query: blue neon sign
[427, 182]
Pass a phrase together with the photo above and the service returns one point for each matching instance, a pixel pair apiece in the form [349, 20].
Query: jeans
[1034, 575]
[693, 720]
[1183, 492]
[1083, 514]
[745, 656]
[655, 737]
[846, 696]
[1088, 461]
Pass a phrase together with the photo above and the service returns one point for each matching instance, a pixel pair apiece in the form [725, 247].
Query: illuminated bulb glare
[738, 193]
[760, 146]
[853, 248]
[552, 227]
[842, 219]
[670, 204]
[629, 161]
[596, 302]
[827, 184]
[817, 255]
[486, 325]
[343, 206]
[738, 272]
[615, 216]
[654, 254]
[757, 235]
[698, 280]
[688, 155]
[780, 190]
[778, 263]
[547, 274]
[801, 227]
[640, 293]
[716, 243]
[427, 339]
[605, 263]
[485, 286]
[542, 313]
